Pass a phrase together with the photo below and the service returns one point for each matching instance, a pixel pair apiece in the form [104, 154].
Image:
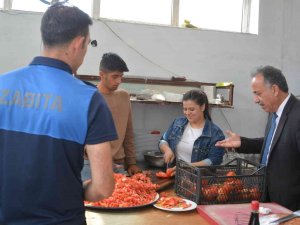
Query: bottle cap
[255, 205]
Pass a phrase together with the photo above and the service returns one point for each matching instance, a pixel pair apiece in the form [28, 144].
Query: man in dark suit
[280, 148]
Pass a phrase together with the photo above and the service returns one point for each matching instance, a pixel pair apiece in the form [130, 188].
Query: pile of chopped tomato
[172, 202]
[129, 191]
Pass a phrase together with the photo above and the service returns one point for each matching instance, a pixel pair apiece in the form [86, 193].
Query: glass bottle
[254, 218]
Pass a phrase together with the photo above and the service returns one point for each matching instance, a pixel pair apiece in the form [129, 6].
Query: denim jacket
[204, 146]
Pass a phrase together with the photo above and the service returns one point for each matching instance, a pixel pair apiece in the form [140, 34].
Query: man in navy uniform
[48, 118]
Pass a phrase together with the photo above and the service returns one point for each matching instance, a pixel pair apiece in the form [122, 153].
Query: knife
[286, 218]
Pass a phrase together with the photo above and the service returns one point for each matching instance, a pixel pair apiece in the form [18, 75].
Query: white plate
[176, 209]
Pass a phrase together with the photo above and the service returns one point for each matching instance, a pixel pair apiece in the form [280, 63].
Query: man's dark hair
[200, 98]
[272, 76]
[112, 62]
[61, 24]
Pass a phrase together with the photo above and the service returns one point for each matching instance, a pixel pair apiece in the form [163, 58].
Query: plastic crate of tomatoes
[238, 181]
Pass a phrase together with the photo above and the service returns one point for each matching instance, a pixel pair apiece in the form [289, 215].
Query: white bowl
[172, 97]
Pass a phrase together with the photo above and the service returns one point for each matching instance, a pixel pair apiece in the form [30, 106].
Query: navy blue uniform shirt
[47, 116]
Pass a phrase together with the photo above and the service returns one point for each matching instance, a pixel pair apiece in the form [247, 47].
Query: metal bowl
[154, 158]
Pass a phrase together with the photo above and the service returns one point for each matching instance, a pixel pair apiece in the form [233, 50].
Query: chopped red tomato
[167, 174]
[161, 174]
[172, 202]
[129, 191]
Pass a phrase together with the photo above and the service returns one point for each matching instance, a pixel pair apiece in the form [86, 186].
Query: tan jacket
[123, 150]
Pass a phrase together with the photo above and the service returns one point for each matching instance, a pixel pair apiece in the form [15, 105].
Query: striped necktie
[264, 159]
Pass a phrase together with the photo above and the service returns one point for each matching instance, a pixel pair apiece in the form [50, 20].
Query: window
[148, 11]
[85, 5]
[226, 15]
[212, 14]
[29, 5]
[254, 15]
[1, 4]
[38, 6]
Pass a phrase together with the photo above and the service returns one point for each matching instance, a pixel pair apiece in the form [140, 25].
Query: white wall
[291, 45]
[202, 55]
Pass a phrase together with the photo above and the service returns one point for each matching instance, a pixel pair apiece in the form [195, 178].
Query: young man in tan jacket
[111, 72]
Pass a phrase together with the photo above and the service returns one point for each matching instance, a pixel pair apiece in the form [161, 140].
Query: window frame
[7, 5]
[96, 4]
[245, 21]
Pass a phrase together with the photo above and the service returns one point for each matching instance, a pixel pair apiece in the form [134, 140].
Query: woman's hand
[171, 171]
[168, 155]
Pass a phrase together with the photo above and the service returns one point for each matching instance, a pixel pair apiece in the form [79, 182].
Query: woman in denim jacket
[192, 138]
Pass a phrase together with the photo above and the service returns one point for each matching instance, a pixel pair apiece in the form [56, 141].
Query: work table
[147, 215]
[143, 216]
[216, 214]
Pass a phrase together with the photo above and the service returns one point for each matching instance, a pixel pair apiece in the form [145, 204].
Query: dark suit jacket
[283, 169]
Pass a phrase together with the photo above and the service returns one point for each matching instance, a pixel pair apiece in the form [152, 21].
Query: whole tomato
[230, 174]
[228, 187]
[245, 194]
[238, 184]
[209, 193]
[222, 195]
[193, 188]
[254, 193]
[214, 190]
[204, 182]
[205, 191]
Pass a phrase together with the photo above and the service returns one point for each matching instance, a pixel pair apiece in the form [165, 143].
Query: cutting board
[229, 214]
[162, 182]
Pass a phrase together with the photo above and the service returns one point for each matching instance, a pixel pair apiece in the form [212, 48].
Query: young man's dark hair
[61, 24]
[112, 62]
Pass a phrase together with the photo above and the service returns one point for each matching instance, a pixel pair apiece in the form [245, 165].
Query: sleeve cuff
[162, 142]
[207, 162]
[130, 161]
